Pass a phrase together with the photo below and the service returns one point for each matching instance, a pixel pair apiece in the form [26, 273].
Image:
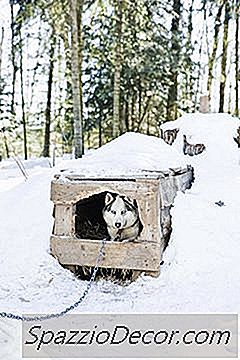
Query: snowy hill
[129, 153]
[201, 269]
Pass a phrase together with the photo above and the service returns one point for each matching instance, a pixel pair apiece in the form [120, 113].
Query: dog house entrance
[89, 221]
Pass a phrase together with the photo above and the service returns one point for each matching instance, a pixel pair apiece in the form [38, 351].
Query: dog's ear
[131, 201]
[108, 198]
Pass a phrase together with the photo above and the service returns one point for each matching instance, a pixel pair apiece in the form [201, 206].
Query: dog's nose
[117, 224]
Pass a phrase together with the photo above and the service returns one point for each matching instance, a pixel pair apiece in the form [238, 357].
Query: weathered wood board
[132, 255]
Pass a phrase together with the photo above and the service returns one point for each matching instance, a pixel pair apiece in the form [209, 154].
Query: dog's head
[119, 212]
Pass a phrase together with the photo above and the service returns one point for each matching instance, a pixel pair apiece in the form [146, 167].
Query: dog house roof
[129, 154]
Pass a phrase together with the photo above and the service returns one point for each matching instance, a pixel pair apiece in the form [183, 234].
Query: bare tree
[13, 58]
[224, 56]
[24, 119]
[237, 59]
[1, 47]
[46, 149]
[1, 85]
[214, 50]
[175, 52]
[117, 68]
[75, 66]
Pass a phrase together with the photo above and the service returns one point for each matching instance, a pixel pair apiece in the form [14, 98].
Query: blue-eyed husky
[121, 216]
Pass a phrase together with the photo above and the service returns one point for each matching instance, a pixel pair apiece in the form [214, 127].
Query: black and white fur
[122, 218]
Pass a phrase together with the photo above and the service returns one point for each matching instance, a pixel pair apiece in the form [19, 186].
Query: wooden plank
[143, 175]
[72, 192]
[149, 213]
[132, 255]
[64, 220]
[170, 185]
[168, 191]
[122, 177]
[185, 180]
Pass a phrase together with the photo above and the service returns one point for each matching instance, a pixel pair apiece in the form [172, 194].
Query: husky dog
[192, 149]
[169, 136]
[121, 216]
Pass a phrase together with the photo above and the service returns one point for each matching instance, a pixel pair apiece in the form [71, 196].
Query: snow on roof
[127, 154]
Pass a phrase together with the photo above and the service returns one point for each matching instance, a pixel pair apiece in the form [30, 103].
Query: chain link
[67, 309]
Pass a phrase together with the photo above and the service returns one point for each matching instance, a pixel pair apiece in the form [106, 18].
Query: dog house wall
[154, 194]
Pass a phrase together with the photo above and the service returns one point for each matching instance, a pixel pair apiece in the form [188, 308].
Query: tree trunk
[6, 145]
[3, 130]
[190, 80]
[23, 99]
[126, 113]
[117, 70]
[13, 58]
[1, 47]
[214, 51]
[80, 59]
[68, 128]
[237, 59]
[224, 57]
[46, 149]
[75, 66]
[175, 51]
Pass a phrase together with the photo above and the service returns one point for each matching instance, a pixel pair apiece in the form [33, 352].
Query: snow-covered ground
[201, 268]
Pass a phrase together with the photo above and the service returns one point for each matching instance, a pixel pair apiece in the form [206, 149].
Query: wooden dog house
[154, 192]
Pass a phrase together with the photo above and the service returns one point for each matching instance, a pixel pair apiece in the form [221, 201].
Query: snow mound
[215, 131]
[129, 153]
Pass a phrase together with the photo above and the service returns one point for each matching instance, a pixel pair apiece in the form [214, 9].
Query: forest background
[75, 74]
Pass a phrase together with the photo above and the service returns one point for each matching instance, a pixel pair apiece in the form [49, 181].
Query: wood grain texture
[64, 220]
[132, 255]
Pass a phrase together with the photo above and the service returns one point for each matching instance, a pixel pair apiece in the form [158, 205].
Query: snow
[128, 154]
[201, 269]
[215, 131]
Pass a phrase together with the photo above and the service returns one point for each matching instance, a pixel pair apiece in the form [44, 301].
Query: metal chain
[67, 309]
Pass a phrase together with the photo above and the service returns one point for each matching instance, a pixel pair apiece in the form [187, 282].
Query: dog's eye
[113, 212]
[123, 212]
